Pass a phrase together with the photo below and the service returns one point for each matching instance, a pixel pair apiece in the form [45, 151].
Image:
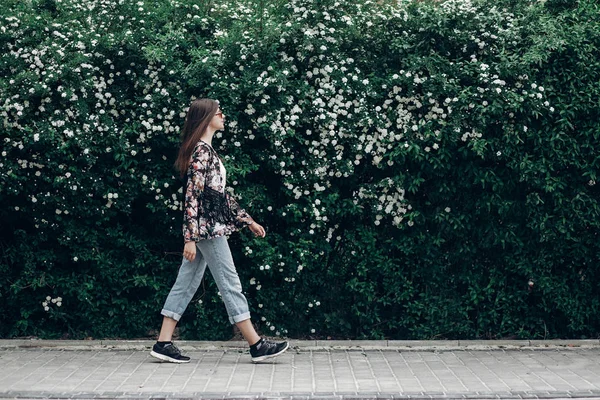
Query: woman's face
[218, 120]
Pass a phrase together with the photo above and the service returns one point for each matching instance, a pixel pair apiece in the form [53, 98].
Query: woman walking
[210, 214]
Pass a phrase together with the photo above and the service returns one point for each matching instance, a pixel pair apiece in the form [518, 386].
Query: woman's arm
[193, 206]
[242, 218]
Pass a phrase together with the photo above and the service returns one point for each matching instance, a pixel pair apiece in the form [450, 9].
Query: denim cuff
[170, 314]
[239, 318]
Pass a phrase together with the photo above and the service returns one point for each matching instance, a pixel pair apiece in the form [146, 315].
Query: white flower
[272, 328]
[75, 259]
[312, 331]
[498, 153]
[447, 209]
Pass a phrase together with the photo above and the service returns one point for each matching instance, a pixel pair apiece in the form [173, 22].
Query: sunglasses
[219, 113]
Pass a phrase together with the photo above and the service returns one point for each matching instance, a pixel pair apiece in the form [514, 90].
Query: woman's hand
[257, 229]
[189, 250]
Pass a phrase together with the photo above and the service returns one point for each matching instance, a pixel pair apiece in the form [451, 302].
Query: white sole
[262, 358]
[166, 358]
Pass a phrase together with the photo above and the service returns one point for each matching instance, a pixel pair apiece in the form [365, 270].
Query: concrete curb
[315, 345]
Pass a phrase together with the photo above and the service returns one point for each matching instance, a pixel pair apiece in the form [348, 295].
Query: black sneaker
[168, 352]
[266, 349]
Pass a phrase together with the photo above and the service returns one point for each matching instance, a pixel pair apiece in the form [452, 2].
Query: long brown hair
[196, 121]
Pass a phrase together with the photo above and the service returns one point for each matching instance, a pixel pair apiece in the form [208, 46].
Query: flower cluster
[49, 301]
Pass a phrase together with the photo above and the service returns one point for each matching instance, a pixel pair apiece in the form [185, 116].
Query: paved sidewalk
[478, 370]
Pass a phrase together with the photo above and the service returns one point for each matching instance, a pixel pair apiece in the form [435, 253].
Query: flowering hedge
[423, 169]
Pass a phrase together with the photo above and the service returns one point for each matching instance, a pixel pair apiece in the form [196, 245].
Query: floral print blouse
[210, 211]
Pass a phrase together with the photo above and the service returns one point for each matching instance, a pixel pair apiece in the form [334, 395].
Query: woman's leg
[188, 279]
[167, 329]
[217, 254]
[220, 262]
[248, 332]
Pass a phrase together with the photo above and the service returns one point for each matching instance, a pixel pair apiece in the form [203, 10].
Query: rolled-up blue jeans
[216, 253]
